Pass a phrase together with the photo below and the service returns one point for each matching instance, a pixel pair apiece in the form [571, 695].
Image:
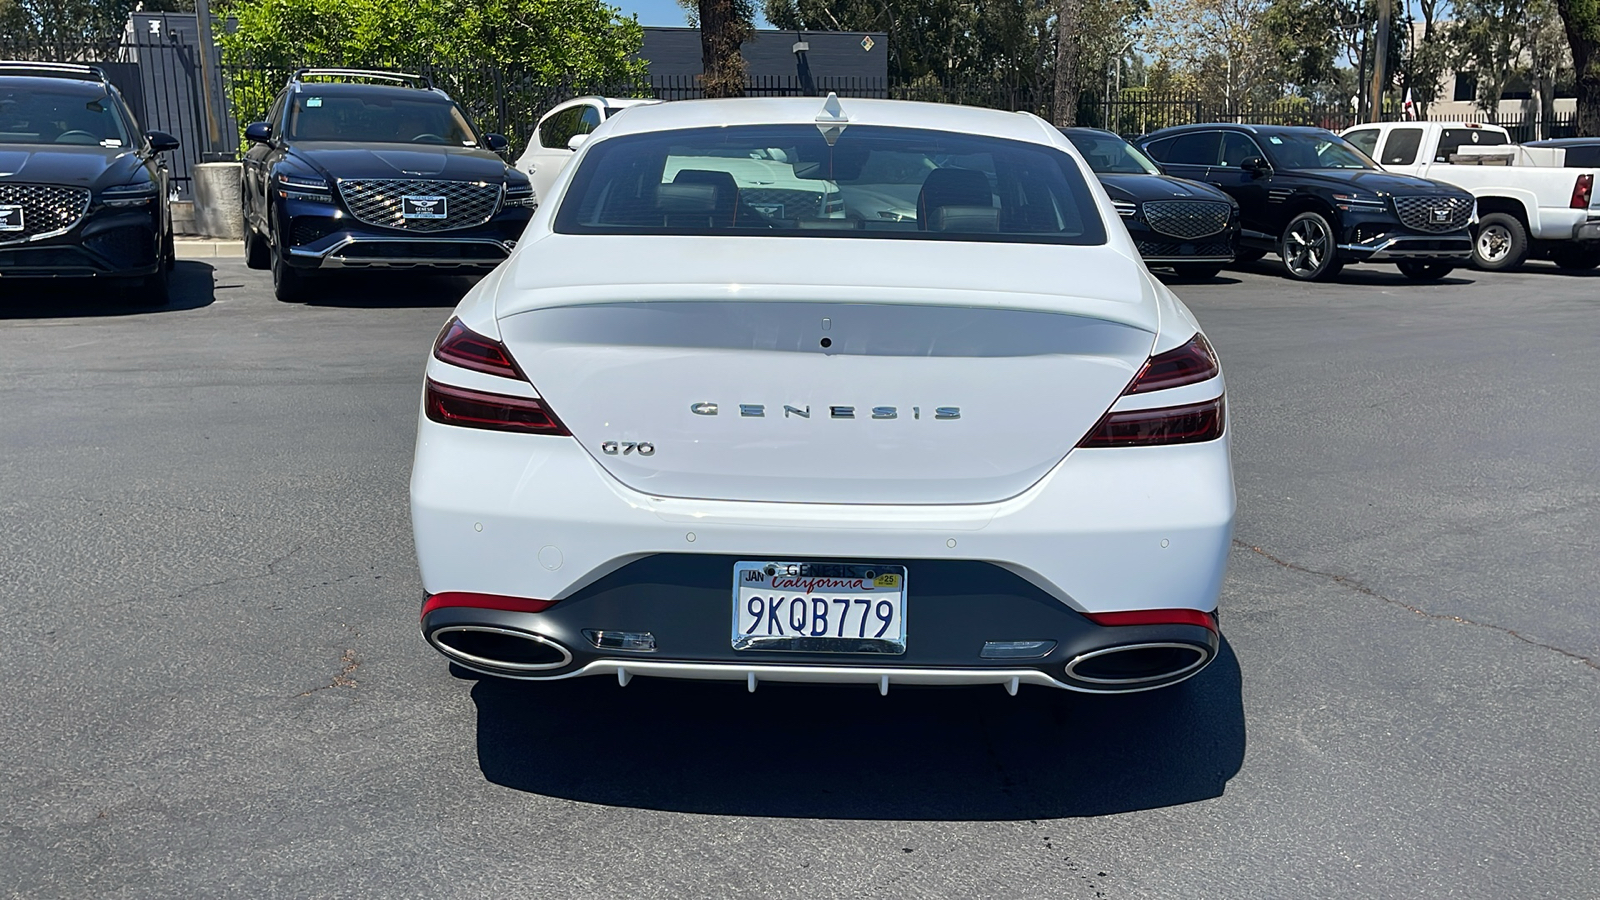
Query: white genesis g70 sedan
[829, 391]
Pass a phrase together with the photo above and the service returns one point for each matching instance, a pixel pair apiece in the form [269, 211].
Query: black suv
[82, 192]
[1309, 196]
[356, 169]
[1188, 226]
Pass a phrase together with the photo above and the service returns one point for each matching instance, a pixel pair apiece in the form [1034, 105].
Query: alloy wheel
[1306, 247]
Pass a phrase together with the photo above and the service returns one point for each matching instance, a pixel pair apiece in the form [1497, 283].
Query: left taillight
[459, 345]
[450, 404]
[1190, 423]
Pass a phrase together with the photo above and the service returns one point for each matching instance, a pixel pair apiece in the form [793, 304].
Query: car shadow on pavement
[844, 752]
[388, 290]
[192, 286]
[1375, 274]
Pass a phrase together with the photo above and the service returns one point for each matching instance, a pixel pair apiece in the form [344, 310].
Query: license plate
[819, 607]
[416, 207]
[10, 218]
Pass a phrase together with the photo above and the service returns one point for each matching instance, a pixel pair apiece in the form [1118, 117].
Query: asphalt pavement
[213, 684]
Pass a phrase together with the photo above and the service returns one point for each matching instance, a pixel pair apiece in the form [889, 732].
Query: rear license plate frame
[811, 594]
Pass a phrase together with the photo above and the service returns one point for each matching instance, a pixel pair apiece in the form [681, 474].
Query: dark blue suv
[357, 169]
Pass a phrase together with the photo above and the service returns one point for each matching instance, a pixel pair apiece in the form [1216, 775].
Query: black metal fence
[157, 67]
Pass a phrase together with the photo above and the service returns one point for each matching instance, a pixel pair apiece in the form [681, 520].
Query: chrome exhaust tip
[1132, 667]
[495, 648]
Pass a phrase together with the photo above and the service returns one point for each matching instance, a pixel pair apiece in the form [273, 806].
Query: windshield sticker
[111, 142]
[313, 102]
[1275, 140]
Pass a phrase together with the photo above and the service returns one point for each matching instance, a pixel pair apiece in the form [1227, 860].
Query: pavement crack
[1358, 587]
[348, 663]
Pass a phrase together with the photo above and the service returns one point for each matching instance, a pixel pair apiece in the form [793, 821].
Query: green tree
[532, 42]
[1506, 41]
[1581, 20]
[724, 26]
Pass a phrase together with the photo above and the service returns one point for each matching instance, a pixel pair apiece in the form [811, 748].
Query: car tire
[1500, 243]
[1416, 270]
[1309, 248]
[288, 285]
[1576, 259]
[1196, 271]
[257, 255]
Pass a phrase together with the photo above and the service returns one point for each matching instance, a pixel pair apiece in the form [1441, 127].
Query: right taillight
[1582, 189]
[1190, 423]
[451, 405]
[1188, 364]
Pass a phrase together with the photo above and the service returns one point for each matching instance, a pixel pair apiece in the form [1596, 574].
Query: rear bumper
[1587, 231]
[1105, 530]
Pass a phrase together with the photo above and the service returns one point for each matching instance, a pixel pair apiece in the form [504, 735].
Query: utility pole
[1380, 60]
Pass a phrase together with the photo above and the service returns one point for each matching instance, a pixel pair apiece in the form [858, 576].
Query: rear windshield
[1108, 154]
[378, 119]
[855, 181]
[1452, 139]
[43, 116]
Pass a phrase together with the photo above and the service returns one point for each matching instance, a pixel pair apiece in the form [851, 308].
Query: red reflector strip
[1190, 424]
[1155, 617]
[450, 405]
[459, 345]
[485, 601]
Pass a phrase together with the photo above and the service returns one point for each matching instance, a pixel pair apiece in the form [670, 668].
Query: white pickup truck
[1529, 204]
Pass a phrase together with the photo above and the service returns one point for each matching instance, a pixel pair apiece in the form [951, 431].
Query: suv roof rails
[76, 71]
[409, 79]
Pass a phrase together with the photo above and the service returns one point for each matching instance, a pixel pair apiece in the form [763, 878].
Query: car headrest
[724, 192]
[975, 219]
[677, 199]
[952, 187]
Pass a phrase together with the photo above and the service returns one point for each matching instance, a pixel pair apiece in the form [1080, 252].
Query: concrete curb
[207, 249]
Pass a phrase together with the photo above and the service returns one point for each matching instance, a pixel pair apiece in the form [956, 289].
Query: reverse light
[1192, 363]
[459, 345]
[1155, 617]
[1582, 190]
[451, 405]
[642, 641]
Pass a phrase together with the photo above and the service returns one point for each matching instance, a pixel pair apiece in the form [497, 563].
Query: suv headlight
[521, 195]
[304, 187]
[1361, 202]
[124, 195]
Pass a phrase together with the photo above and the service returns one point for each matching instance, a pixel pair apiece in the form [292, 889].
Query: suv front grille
[1433, 214]
[47, 209]
[1187, 219]
[380, 201]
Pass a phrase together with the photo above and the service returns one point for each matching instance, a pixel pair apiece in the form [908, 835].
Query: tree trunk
[723, 28]
[1069, 18]
[1582, 21]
